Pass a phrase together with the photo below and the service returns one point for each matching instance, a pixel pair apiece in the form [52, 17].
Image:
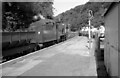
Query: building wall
[111, 41]
[119, 39]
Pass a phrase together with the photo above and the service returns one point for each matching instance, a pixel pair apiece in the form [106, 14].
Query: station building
[112, 39]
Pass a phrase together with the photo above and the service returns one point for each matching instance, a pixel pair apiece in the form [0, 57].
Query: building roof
[112, 5]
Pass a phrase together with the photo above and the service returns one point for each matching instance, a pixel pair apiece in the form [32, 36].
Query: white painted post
[89, 35]
[89, 29]
[90, 17]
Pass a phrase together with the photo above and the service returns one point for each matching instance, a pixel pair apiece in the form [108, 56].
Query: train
[39, 35]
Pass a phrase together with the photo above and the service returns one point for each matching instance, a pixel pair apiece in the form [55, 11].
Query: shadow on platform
[101, 69]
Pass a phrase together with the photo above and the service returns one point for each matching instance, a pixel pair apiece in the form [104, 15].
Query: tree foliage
[78, 16]
[18, 15]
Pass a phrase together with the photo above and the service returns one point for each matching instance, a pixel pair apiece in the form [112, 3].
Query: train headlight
[39, 32]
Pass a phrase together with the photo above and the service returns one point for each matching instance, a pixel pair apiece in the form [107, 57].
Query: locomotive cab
[37, 27]
[45, 31]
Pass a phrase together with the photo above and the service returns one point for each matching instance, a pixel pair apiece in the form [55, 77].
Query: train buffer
[69, 58]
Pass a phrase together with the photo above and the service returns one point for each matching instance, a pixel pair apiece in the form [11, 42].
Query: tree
[78, 16]
[18, 15]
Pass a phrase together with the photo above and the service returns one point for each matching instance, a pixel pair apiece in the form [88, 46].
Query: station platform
[69, 58]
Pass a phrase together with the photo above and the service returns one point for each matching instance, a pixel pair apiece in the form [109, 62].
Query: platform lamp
[89, 27]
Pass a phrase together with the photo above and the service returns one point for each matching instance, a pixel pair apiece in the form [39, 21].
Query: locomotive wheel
[53, 42]
[58, 40]
[37, 48]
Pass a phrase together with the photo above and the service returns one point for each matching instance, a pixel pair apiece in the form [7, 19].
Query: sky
[64, 5]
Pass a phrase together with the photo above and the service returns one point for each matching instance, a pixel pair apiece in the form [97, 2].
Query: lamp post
[89, 27]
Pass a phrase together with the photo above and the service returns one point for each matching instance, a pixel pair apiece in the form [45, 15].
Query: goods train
[39, 35]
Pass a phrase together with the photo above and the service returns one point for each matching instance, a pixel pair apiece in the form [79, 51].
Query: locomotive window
[49, 25]
[31, 28]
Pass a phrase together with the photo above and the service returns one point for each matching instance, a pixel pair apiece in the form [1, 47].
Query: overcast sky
[63, 5]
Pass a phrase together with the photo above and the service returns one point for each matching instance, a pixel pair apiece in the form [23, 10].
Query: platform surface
[69, 58]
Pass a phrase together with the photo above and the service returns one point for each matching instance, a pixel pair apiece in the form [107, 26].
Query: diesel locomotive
[39, 34]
